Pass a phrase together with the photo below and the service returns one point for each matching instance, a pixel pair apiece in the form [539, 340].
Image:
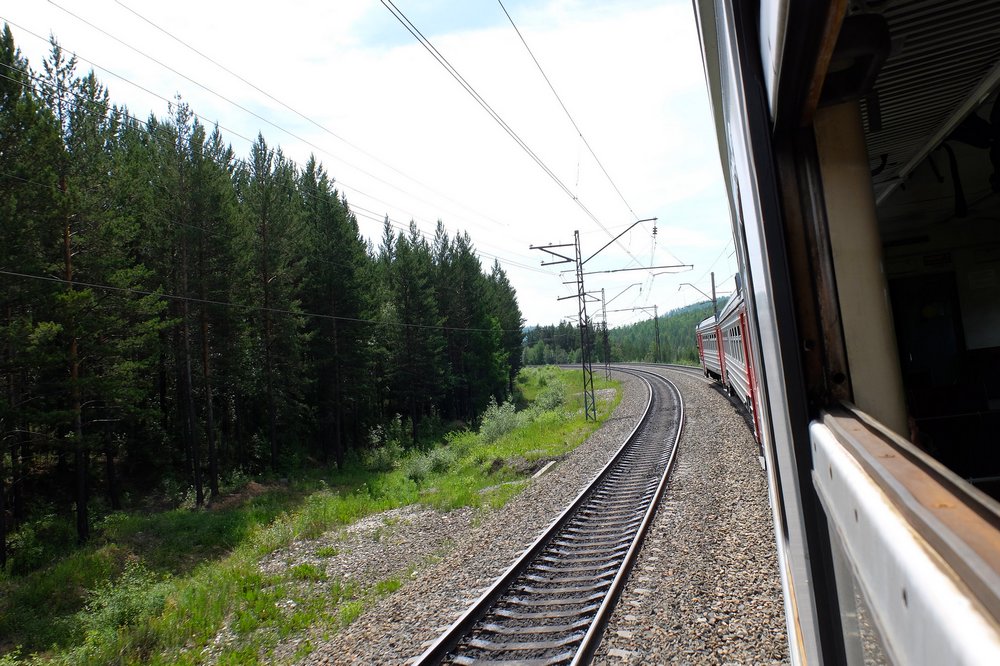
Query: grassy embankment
[163, 587]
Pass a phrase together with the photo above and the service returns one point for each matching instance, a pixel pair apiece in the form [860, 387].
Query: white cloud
[629, 73]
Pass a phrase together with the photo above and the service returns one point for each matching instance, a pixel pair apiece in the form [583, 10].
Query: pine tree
[29, 146]
[416, 370]
[334, 288]
[105, 330]
[213, 209]
[271, 212]
[481, 376]
[503, 305]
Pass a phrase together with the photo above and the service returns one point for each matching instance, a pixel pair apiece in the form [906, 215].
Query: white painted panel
[923, 615]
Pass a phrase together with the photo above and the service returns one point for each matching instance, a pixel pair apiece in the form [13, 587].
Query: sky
[345, 81]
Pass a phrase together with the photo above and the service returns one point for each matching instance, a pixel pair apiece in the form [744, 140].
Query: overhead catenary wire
[568, 114]
[133, 27]
[430, 48]
[712, 265]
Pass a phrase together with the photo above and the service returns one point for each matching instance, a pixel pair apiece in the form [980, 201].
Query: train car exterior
[860, 144]
[731, 325]
[707, 335]
[739, 377]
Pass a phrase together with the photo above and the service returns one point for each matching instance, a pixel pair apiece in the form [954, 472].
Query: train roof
[735, 302]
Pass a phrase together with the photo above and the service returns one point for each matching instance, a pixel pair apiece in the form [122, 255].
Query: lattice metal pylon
[586, 339]
[589, 402]
[604, 331]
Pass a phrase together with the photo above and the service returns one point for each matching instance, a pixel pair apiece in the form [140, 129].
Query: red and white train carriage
[723, 347]
[708, 347]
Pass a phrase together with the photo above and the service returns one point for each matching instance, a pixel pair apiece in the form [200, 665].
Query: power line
[341, 183]
[239, 161]
[372, 215]
[426, 43]
[105, 107]
[367, 214]
[130, 82]
[233, 132]
[568, 114]
[303, 116]
[240, 106]
[724, 248]
[240, 306]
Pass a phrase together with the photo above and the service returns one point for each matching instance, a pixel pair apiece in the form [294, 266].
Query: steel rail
[464, 626]
[678, 367]
[596, 632]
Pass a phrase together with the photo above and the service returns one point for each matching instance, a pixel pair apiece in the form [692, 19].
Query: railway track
[552, 605]
[686, 369]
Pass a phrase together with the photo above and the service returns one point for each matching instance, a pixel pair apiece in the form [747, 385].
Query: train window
[941, 240]
[929, 132]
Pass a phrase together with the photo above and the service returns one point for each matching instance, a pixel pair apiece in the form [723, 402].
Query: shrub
[418, 467]
[138, 594]
[498, 420]
[551, 397]
[384, 458]
[391, 433]
[460, 442]
[386, 445]
[39, 542]
[441, 459]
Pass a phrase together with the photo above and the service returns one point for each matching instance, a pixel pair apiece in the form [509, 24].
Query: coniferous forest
[172, 310]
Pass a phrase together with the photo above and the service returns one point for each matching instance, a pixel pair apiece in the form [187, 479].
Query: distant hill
[637, 342]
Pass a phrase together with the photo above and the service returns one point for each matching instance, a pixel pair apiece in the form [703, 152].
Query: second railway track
[552, 605]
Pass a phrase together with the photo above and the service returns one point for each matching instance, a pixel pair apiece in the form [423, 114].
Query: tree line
[170, 310]
[560, 343]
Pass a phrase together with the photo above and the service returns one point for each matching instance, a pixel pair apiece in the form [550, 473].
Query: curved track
[695, 370]
[552, 605]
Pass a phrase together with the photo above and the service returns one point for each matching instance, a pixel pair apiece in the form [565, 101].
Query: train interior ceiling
[932, 126]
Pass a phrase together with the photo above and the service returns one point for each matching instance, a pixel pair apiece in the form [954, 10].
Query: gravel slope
[705, 589]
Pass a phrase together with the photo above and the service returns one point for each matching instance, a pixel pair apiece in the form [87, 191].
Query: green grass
[159, 588]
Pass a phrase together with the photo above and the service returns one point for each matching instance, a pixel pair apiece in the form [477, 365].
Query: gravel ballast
[705, 588]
